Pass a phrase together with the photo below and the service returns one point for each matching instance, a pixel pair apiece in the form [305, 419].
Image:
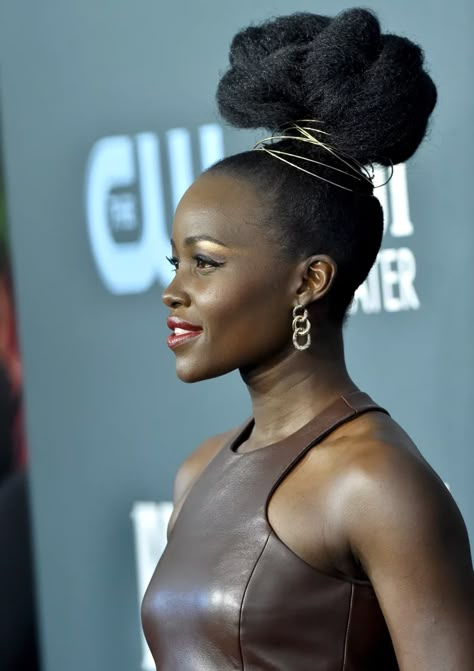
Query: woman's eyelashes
[174, 262]
[201, 262]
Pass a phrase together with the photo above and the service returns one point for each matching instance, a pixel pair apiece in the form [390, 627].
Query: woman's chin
[188, 376]
[186, 372]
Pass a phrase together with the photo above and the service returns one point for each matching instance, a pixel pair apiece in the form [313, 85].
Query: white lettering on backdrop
[150, 522]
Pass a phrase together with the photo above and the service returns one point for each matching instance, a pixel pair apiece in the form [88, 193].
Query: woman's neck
[288, 392]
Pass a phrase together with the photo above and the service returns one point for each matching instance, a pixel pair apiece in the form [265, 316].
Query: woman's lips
[182, 331]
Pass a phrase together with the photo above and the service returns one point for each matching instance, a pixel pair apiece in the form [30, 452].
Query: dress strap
[342, 410]
[361, 402]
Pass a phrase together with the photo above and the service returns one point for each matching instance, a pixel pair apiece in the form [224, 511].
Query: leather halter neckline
[345, 400]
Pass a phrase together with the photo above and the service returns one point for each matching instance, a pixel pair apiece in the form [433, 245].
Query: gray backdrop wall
[108, 423]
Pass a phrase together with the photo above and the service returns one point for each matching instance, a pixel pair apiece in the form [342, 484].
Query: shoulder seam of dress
[243, 598]
[348, 625]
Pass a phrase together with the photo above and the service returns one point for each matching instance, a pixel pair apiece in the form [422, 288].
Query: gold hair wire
[303, 133]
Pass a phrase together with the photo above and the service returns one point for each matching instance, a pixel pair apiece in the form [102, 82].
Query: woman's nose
[173, 296]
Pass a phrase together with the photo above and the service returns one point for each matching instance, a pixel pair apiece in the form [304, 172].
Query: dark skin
[362, 504]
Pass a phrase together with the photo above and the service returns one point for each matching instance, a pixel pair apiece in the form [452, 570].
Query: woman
[315, 537]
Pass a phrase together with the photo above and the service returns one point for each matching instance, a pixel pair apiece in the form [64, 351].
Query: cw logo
[125, 202]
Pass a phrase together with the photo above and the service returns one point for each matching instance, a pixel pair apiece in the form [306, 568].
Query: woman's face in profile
[232, 289]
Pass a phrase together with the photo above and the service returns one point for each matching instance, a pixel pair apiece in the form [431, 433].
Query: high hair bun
[367, 89]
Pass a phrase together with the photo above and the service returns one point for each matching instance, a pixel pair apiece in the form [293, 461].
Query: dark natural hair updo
[368, 90]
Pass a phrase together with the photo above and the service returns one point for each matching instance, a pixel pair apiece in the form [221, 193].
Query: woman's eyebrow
[198, 238]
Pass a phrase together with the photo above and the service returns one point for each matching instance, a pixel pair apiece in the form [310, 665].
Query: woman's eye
[205, 263]
[202, 262]
[174, 261]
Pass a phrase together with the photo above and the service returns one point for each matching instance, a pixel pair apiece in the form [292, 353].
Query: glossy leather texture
[227, 594]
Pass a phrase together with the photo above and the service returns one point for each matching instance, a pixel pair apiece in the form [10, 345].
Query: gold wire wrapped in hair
[304, 133]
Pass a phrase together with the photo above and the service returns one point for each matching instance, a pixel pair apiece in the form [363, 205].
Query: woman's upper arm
[408, 533]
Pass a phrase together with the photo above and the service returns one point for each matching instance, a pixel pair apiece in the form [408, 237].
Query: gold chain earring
[301, 327]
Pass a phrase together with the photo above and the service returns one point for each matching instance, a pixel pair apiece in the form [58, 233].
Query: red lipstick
[182, 331]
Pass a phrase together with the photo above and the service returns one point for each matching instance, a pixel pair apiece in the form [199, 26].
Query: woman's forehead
[222, 207]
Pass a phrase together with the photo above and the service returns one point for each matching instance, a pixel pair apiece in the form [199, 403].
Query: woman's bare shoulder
[374, 444]
[381, 458]
[393, 499]
[377, 479]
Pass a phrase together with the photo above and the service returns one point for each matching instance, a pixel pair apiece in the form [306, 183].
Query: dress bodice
[227, 594]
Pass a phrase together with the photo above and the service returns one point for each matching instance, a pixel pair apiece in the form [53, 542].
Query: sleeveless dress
[228, 595]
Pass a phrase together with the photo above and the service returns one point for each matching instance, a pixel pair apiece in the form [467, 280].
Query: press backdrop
[108, 113]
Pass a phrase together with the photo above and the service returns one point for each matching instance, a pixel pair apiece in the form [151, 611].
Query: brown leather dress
[227, 594]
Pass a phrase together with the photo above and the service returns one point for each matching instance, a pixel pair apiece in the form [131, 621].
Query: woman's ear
[317, 274]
